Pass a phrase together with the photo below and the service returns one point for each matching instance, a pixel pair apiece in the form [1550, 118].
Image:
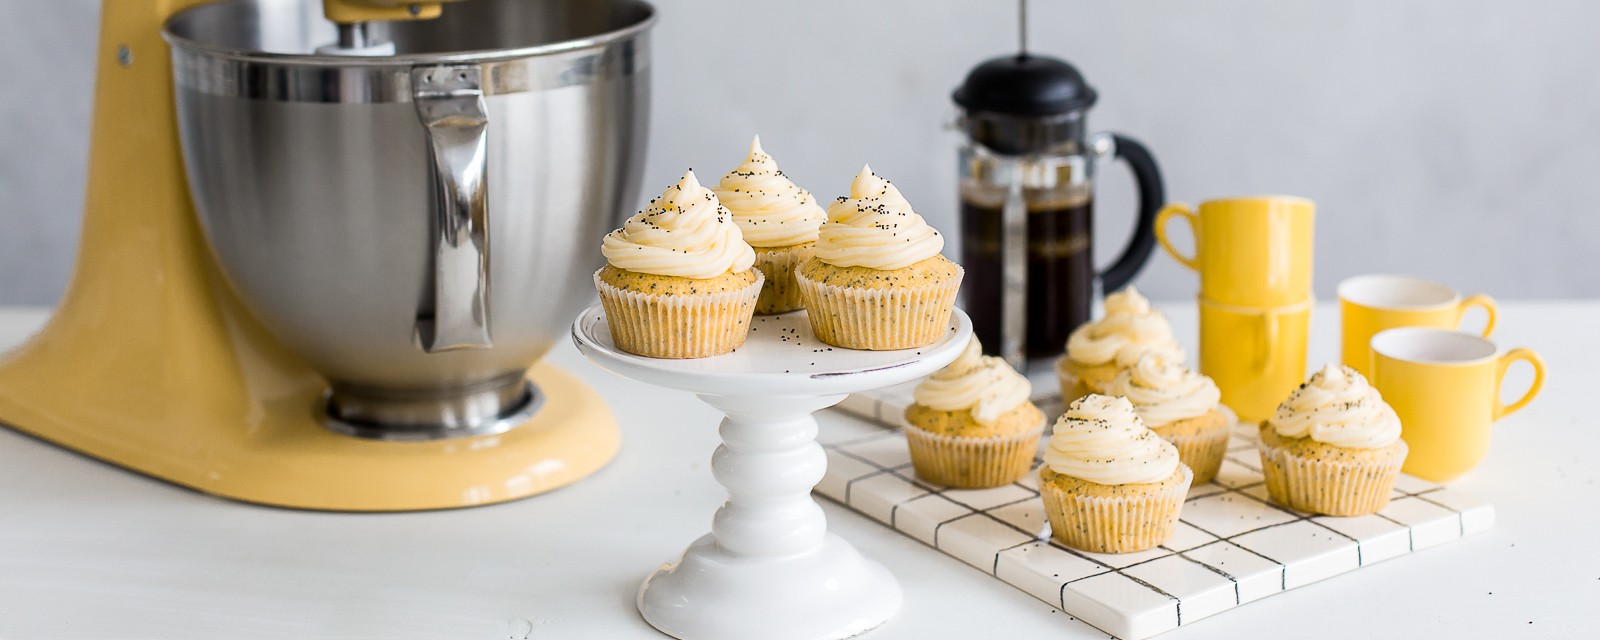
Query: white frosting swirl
[1337, 406]
[1163, 391]
[984, 384]
[770, 209]
[875, 227]
[684, 233]
[1102, 440]
[1130, 329]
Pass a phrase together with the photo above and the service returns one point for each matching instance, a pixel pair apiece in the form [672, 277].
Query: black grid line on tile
[1283, 569]
[1298, 517]
[1461, 518]
[1217, 571]
[995, 569]
[850, 484]
[855, 441]
[1411, 541]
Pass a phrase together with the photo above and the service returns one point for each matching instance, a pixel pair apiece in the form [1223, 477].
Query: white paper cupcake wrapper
[879, 319]
[1071, 389]
[678, 326]
[1330, 487]
[1203, 452]
[1114, 524]
[1072, 385]
[781, 293]
[972, 463]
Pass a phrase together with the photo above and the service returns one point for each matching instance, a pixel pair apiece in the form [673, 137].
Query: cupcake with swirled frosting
[878, 281]
[1097, 350]
[1109, 484]
[1181, 406]
[779, 220]
[678, 280]
[1333, 446]
[971, 424]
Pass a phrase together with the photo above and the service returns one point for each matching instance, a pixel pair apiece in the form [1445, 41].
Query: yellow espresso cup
[1370, 304]
[1256, 356]
[1445, 386]
[1249, 251]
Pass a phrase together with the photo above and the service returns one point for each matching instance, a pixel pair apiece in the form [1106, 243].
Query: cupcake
[1109, 484]
[971, 425]
[878, 281]
[778, 219]
[1333, 447]
[678, 282]
[1097, 350]
[1179, 405]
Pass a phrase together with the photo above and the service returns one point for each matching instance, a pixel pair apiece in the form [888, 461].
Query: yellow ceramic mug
[1256, 356]
[1370, 304]
[1445, 386]
[1250, 252]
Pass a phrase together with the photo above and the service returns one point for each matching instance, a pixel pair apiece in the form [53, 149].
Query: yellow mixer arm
[350, 11]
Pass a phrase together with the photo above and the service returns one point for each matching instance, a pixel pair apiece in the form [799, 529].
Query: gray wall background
[1453, 139]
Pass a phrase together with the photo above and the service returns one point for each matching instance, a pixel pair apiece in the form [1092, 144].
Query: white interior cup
[1432, 346]
[1398, 292]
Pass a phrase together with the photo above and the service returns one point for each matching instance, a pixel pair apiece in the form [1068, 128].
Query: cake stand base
[826, 594]
[770, 569]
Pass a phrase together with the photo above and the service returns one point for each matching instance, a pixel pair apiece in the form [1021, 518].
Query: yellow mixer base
[150, 363]
[286, 459]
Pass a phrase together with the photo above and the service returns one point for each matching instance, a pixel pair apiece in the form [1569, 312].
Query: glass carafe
[1027, 205]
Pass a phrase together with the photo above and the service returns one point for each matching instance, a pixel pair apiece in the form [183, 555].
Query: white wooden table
[90, 551]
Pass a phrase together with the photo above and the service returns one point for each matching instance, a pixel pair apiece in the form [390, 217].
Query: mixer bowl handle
[449, 102]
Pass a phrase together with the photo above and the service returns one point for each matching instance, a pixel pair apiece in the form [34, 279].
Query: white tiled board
[1232, 546]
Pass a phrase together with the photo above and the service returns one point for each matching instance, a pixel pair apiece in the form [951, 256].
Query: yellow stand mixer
[163, 358]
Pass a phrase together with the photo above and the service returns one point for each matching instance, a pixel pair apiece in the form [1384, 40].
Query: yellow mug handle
[1167, 213]
[1479, 300]
[1527, 355]
[1270, 334]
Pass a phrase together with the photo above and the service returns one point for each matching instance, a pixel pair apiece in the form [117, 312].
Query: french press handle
[1152, 194]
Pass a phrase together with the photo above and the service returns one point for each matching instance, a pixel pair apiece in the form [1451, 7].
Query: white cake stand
[769, 568]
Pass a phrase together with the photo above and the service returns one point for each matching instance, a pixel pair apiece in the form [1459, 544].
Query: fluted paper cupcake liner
[972, 463]
[1071, 387]
[1203, 452]
[1074, 386]
[678, 326]
[1332, 488]
[781, 294]
[1114, 524]
[879, 319]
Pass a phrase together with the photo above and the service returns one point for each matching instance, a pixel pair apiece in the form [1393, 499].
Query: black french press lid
[1025, 85]
[1024, 103]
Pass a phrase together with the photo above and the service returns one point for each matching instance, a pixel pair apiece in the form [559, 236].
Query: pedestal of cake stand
[769, 568]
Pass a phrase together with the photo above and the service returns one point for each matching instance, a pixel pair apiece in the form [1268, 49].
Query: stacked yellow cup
[1253, 255]
[1402, 332]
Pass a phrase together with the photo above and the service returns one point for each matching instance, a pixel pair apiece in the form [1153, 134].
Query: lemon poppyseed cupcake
[1181, 406]
[778, 219]
[1333, 447]
[1097, 350]
[878, 281]
[1109, 484]
[679, 281]
[971, 425]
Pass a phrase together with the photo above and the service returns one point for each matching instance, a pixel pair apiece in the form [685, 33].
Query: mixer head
[362, 29]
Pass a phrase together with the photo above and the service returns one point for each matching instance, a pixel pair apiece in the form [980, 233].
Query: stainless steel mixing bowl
[419, 227]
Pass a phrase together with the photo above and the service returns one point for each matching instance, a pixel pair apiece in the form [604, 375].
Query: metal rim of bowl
[471, 56]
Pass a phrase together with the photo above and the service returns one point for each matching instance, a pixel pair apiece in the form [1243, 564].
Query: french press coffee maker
[1027, 204]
